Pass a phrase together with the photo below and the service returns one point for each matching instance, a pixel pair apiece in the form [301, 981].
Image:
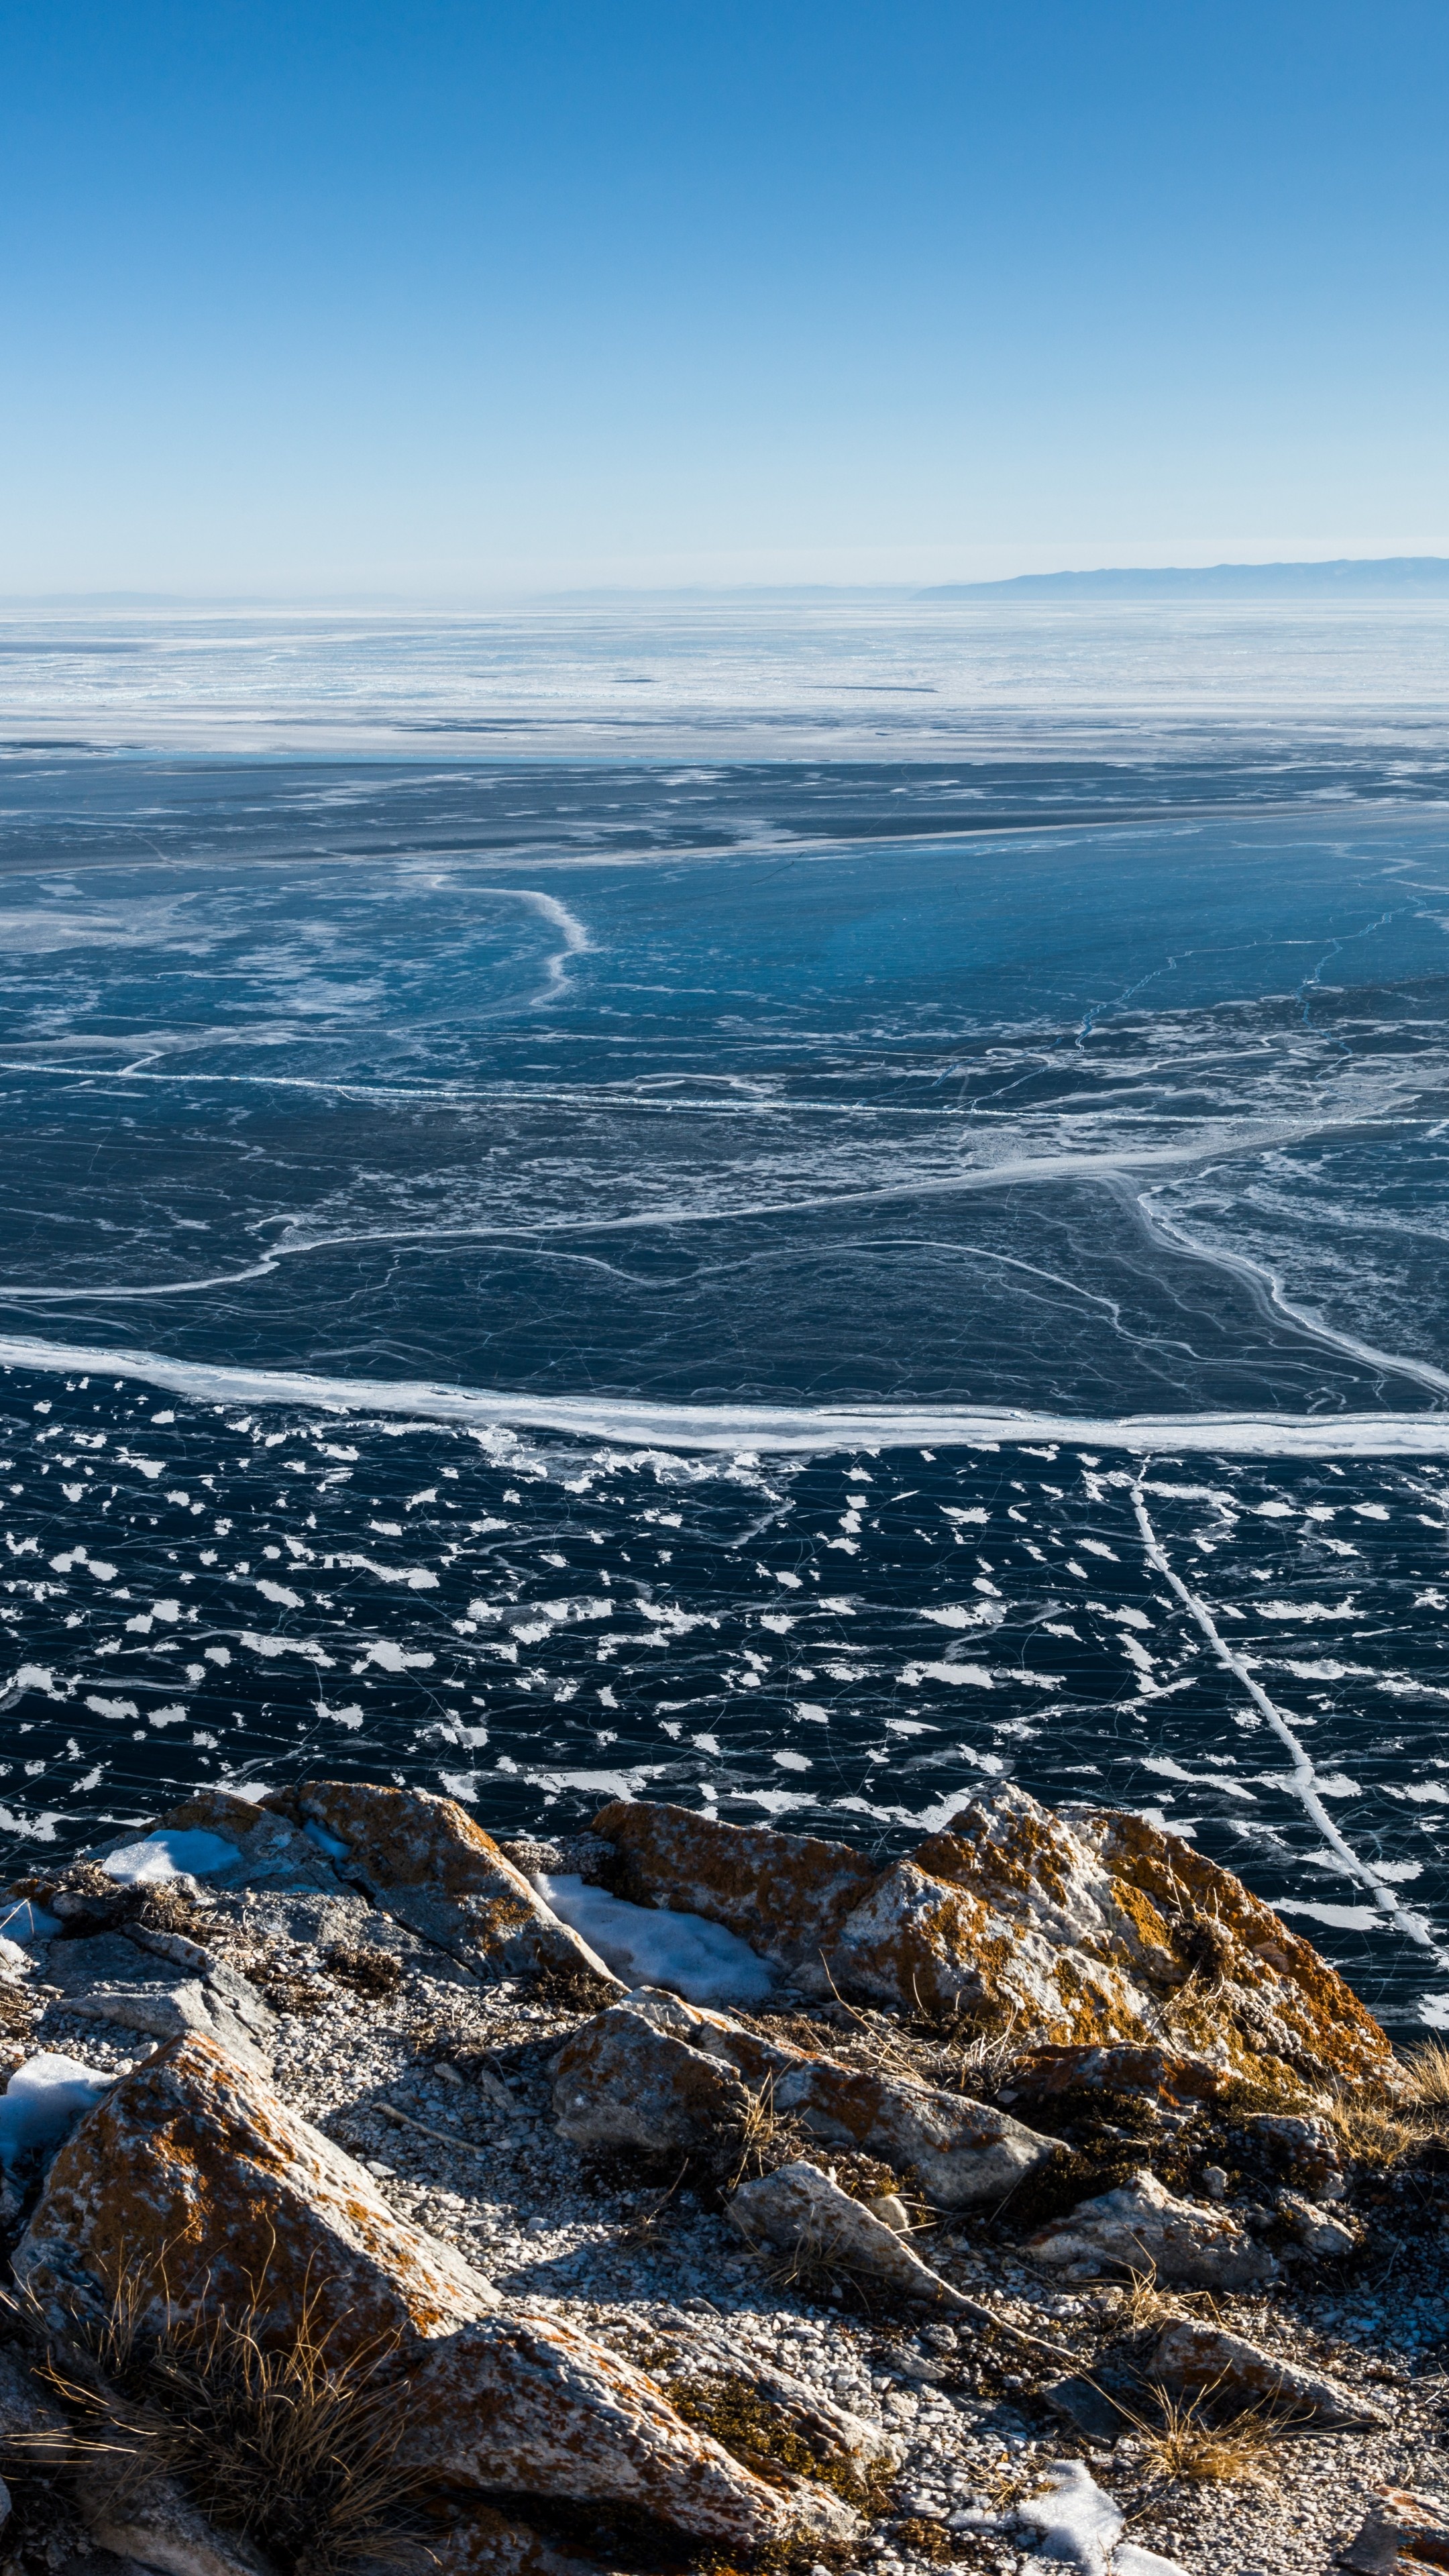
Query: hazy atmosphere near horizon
[724, 922]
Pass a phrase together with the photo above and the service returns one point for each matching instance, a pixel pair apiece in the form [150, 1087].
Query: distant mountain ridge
[1387, 576]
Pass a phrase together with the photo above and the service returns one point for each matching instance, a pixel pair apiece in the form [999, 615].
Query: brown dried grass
[1378, 2134]
[1426, 2068]
[283, 2444]
[1186, 2442]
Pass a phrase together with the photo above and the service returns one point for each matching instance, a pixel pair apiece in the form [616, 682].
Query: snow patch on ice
[648, 1947]
[1072, 2518]
[168, 1855]
[43, 2101]
[25, 1922]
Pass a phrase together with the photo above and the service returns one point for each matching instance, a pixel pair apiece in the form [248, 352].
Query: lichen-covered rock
[271, 1852]
[1402, 2533]
[193, 2184]
[1259, 1992]
[785, 1894]
[529, 2406]
[1093, 1929]
[197, 2185]
[1160, 2076]
[819, 2229]
[1140, 2227]
[424, 1861]
[1192, 2354]
[656, 2071]
[1009, 1919]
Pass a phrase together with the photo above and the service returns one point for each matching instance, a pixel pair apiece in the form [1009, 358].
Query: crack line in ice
[1304, 1778]
[1270, 1287]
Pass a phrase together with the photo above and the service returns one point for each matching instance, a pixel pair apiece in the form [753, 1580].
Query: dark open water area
[799, 1256]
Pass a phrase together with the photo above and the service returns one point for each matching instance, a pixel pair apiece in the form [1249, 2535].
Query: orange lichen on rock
[425, 1862]
[989, 1943]
[785, 1894]
[1258, 1988]
[192, 2189]
[195, 2185]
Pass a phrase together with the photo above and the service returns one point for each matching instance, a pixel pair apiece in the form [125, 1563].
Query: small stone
[1193, 2354]
[820, 2229]
[1141, 2228]
[1215, 2182]
[893, 2210]
[1316, 2230]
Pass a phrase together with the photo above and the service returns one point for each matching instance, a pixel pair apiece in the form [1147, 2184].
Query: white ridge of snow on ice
[1303, 1779]
[699, 1427]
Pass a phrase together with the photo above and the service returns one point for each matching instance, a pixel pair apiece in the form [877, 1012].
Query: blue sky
[461, 300]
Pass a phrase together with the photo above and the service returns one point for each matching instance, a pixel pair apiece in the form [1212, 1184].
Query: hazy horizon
[469, 305]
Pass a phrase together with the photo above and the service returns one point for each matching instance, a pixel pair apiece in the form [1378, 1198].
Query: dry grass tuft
[167, 1908]
[19, 2010]
[1187, 2441]
[759, 2142]
[572, 1990]
[1427, 2072]
[1377, 2133]
[1141, 2307]
[280, 2444]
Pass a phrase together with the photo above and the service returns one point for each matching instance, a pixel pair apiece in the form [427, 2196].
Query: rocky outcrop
[1142, 2228]
[270, 1851]
[1191, 2354]
[533, 2407]
[787, 1895]
[197, 2186]
[424, 1861]
[1087, 1930]
[655, 2071]
[193, 2184]
[1155, 2011]
[1258, 1991]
